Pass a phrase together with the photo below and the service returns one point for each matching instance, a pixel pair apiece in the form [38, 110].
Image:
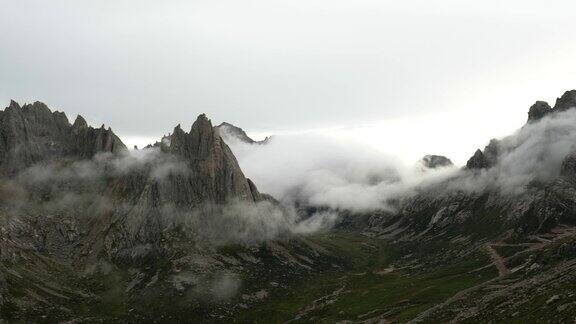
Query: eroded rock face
[541, 108]
[567, 101]
[486, 159]
[32, 133]
[538, 110]
[213, 166]
[477, 161]
[88, 141]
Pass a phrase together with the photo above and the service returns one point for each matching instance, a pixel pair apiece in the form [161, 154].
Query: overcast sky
[406, 77]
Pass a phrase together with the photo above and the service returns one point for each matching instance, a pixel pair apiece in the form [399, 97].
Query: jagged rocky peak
[13, 105]
[435, 161]
[80, 122]
[211, 161]
[32, 133]
[235, 133]
[200, 172]
[567, 101]
[538, 110]
[485, 159]
[477, 161]
[541, 108]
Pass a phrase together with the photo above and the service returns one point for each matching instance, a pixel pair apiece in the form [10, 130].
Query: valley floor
[373, 280]
[518, 282]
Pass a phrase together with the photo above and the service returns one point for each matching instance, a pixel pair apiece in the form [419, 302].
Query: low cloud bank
[306, 169]
[318, 170]
[80, 191]
[244, 223]
[533, 153]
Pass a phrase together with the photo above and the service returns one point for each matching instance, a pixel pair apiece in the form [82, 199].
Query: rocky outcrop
[200, 172]
[541, 108]
[88, 141]
[485, 159]
[230, 132]
[477, 161]
[213, 165]
[567, 101]
[32, 133]
[538, 110]
[435, 161]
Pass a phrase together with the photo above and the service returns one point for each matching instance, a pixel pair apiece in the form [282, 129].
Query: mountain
[32, 133]
[236, 134]
[512, 210]
[177, 233]
[93, 232]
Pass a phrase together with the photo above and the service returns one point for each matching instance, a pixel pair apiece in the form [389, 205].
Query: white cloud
[326, 171]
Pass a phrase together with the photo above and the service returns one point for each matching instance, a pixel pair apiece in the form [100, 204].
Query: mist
[323, 171]
[83, 188]
[533, 153]
[299, 170]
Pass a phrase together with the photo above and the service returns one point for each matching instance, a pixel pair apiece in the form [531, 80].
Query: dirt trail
[552, 237]
[497, 260]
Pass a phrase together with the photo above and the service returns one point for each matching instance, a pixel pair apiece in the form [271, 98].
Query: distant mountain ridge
[234, 133]
[540, 109]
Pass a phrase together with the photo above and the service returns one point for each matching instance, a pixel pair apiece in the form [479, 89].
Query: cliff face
[32, 133]
[214, 168]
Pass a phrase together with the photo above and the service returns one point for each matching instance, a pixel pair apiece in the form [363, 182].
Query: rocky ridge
[32, 134]
[77, 208]
[540, 109]
[234, 133]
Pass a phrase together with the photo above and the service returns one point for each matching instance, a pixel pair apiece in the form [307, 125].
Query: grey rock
[209, 176]
[538, 110]
[477, 161]
[486, 159]
[567, 101]
[230, 132]
[33, 133]
[211, 162]
[435, 161]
